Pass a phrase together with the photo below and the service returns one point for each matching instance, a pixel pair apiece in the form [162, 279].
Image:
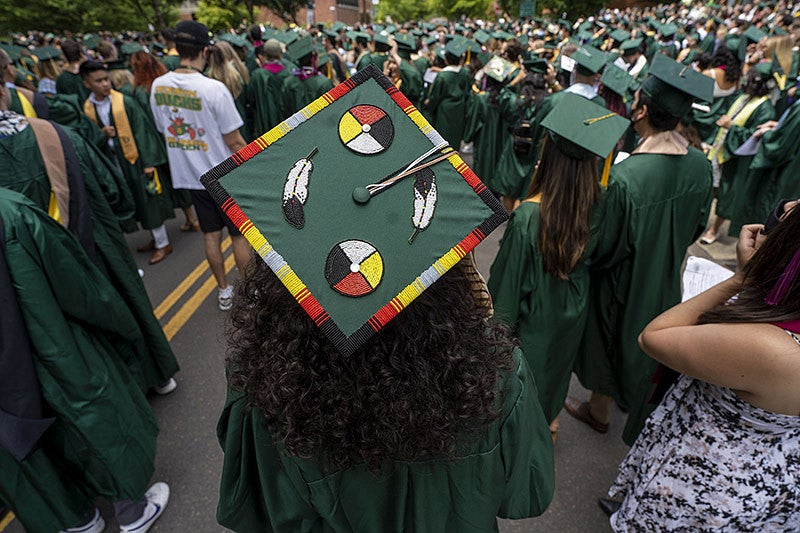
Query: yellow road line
[183, 314]
[6, 521]
[184, 285]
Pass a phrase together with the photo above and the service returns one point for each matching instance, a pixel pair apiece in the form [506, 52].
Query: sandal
[191, 226]
[705, 239]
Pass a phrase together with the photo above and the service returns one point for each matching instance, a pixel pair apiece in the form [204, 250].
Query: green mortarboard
[611, 56]
[405, 40]
[116, 64]
[502, 35]
[233, 39]
[91, 41]
[484, 57]
[157, 46]
[668, 30]
[777, 30]
[754, 34]
[322, 55]
[287, 37]
[616, 79]
[430, 40]
[630, 46]
[47, 52]
[498, 68]
[620, 35]
[590, 60]
[356, 204]
[330, 33]
[765, 70]
[585, 36]
[535, 64]
[13, 51]
[582, 129]
[338, 26]
[128, 49]
[416, 33]
[455, 48]
[674, 86]
[481, 36]
[301, 48]
[377, 28]
[24, 75]
[471, 45]
[585, 26]
[390, 29]
[269, 33]
[381, 38]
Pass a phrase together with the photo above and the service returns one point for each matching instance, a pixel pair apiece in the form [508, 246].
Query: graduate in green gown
[135, 146]
[449, 94]
[656, 204]
[90, 431]
[264, 98]
[93, 202]
[404, 407]
[539, 280]
[748, 111]
[773, 172]
[306, 83]
[69, 81]
[410, 77]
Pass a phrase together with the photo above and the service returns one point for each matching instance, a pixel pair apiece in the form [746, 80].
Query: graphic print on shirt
[182, 135]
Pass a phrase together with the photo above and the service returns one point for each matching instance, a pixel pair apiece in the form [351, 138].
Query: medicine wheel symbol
[354, 268]
[366, 129]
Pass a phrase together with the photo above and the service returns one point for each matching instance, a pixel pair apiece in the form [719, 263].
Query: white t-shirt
[193, 112]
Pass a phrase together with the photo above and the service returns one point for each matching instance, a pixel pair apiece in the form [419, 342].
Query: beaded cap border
[348, 344]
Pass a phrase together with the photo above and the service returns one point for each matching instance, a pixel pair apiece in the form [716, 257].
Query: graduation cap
[13, 51]
[616, 79]
[116, 64]
[301, 48]
[287, 37]
[405, 40]
[498, 68]
[128, 49]
[674, 86]
[357, 204]
[582, 129]
[631, 46]
[233, 39]
[754, 34]
[481, 36]
[590, 60]
[668, 30]
[47, 52]
[502, 35]
[381, 38]
[532, 63]
[430, 40]
[338, 26]
[619, 35]
[91, 40]
[455, 48]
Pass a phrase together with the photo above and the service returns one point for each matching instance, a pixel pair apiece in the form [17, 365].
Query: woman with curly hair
[432, 425]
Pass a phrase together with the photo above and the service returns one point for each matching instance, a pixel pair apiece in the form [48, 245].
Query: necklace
[190, 67]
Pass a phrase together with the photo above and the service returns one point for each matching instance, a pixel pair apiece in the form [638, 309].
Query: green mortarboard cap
[585, 36]
[765, 70]
[91, 41]
[590, 60]
[381, 37]
[620, 35]
[390, 29]
[430, 40]
[233, 39]
[459, 28]
[322, 55]
[616, 79]
[498, 68]
[484, 57]
[611, 56]
[754, 34]
[674, 86]
[338, 26]
[630, 46]
[13, 51]
[117, 64]
[269, 33]
[585, 26]
[416, 33]
[157, 46]
[481, 36]
[287, 37]
[455, 48]
[564, 23]
[668, 30]
[24, 75]
[128, 49]
[472, 46]
[405, 40]
[535, 64]
[301, 48]
[312, 198]
[582, 129]
[777, 30]
[502, 35]
[330, 33]
[47, 52]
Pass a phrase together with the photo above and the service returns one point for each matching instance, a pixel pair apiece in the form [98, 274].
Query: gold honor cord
[590, 121]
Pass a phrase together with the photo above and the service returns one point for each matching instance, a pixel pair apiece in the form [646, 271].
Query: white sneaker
[95, 525]
[225, 298]
[157, 497]
[167, 387]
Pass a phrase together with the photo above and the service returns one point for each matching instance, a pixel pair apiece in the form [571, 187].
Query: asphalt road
[189, 458]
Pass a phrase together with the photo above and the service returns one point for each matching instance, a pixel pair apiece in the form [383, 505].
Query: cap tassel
[781, 287]
[590, 121]
[469, 55]
[607, 169]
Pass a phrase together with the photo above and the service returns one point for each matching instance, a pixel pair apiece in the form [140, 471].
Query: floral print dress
[709, 461]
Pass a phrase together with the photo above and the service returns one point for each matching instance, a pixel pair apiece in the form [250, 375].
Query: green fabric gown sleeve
[737, 135]
[148, 141]
[780, 145]
[510, 280]
[614, 240]
[412, 81]
[526, 451]
[477, 110]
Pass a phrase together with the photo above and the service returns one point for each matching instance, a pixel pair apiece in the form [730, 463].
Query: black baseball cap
[191, 32]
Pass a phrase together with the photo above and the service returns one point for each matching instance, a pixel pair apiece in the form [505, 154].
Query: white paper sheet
[700, 275]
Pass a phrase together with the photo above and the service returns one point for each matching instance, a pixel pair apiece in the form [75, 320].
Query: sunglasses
[774, 217]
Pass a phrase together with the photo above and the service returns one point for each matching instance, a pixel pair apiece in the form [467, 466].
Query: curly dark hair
[723, 57]
[421, 388]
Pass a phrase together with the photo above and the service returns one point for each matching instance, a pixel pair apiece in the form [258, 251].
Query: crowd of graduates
[613, 142]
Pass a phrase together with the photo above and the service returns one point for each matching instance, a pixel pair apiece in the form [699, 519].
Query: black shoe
[609, 506]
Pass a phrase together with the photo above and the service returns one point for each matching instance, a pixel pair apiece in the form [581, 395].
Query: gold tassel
[607, 169]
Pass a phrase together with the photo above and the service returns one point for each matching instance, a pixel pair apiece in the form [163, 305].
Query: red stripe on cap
[400, 99]
[341, 89]
[236, 215]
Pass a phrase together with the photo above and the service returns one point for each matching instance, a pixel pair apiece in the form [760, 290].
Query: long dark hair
[532, 89]
[761, 274]
[723, 57]
[423, 387]
[570, 189]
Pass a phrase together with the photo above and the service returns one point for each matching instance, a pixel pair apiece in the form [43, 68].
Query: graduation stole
[56, 168]
[25, 99]
[740, 112]
[124, 133]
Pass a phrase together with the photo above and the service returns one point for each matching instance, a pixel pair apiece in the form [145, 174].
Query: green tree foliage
[59, 16]
[220, 15]
[573, 8]
[285, 9]
[401, 10]
[469, 8]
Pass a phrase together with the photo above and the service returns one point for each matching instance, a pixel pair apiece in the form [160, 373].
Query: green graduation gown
[299, 93]
[773, 173]
[734, 170]
[655, 207]
[549, 314]
[104, 437]
[508, 473]
[151, 209]
[446, 107]
[514, 171]
[487, 126]
[705, 122]
[412, 82]
[22, 169]
[264, 100]
[69, 83]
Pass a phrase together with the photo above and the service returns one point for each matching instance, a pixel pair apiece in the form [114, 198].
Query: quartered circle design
[366, 129]
[354, 268]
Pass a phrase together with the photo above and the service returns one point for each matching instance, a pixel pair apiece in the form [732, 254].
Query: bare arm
[234, 140]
